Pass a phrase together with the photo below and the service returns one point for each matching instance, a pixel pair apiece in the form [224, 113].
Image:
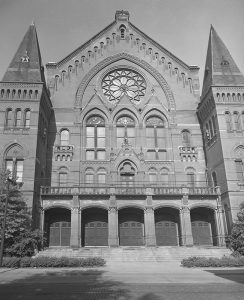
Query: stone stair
[133, 254]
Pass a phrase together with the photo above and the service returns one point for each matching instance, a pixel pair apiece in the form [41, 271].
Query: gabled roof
[220, 67]
[106, 29]
[26, 66]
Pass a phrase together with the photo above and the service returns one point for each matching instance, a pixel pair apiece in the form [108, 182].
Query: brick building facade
[115, 146]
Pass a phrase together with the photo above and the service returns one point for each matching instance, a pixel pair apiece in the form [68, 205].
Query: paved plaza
[121, 280]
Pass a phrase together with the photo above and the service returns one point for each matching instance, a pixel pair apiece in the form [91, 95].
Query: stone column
[75, 235]
[219, 220]
[113, 237]
[149, 221]
[186, 230]
[42, 220]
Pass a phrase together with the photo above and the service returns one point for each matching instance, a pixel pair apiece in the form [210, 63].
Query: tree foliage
[236, 238]
[19, 240]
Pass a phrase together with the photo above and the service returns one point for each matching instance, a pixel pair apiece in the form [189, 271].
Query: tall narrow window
[155, 138]
[122, 31]
[211, 129]
[214, 178]
[239, 170]
[101, 176]
[64, 137]
[95, 138]
[89, 176]
[152, 176]
[125, 131]
[62, 179]
[190, 173]
[237, 121]
[228, 121]
[186, 138]
[214, 125]
[14, 162]
[27, 119]
[9, 114]
[17, 118]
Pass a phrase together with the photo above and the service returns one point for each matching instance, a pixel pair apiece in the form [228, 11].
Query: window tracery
[123, 82]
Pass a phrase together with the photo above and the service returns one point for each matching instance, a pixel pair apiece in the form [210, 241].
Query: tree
[236, 238]
[19, 240]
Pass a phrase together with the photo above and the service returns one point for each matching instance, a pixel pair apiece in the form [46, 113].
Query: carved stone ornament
[122, 82]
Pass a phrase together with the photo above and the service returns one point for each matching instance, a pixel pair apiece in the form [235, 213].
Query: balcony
[188, 153]
[63, 153]
[122, 190]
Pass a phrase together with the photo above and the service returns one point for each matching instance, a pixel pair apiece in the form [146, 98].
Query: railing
[123, 190]
[68, 148]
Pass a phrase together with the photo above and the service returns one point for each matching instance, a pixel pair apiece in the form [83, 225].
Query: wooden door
[166, 233]
[60, 234]
[96, 233]
[131, 233]
[201, 232]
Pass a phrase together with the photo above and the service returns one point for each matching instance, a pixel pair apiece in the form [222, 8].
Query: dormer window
[25, 58]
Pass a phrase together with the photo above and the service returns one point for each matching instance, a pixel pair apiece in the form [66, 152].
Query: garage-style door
[96, 233]
[166, 233]
[131, 233]
[59, 234]
[201, 232]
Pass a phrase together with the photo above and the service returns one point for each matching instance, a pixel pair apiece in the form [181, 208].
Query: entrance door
[166, 233]
[60, 234]
[201, 232]
[96, 233]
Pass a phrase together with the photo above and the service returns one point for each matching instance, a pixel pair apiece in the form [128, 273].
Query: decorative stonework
[122, 82]
[164, 85]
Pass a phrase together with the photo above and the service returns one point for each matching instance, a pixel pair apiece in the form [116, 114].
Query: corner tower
[221, 115]
[25, 113]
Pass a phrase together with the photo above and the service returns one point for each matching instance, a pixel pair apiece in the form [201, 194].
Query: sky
[181, 26]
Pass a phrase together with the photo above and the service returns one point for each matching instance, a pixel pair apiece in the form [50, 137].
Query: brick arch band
[162, 82]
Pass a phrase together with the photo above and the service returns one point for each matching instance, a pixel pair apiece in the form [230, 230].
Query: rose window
[124, 82]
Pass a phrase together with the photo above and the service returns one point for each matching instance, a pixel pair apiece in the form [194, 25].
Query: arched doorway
[167, 226]
[58, 226]
[94, 227]
[131, 227]
[203, 226]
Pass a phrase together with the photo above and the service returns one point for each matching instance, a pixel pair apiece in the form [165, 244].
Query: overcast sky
[181, 26]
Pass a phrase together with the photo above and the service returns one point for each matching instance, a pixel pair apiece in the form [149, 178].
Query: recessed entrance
[167, 226]
[57, 226]
[131, 227]
[94, 227]
[203, 226]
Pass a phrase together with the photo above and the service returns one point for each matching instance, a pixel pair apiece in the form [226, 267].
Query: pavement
[123, 280]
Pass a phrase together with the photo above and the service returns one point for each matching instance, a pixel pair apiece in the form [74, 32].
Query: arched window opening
[63, 177]
[89, 176]
[27, 119]
[14, 162]
[13, 93]
[152, 176]
[101, 176]
[64, 137]
[214, 179]
[190, 174]
[125, 127]
[155, 138]
[239, 170]
[2, 93]
[228, 97]
[95, 138]
[164, 176]
[228, 121]
[237, 121]
[127, 172]
[223, 97]
[8, 94]
[234, 97]
[17, 118]
[186, 138]
[8, 121]
[239, 97]
[122, 29]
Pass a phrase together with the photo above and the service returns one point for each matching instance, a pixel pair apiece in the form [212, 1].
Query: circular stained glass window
[124, 82]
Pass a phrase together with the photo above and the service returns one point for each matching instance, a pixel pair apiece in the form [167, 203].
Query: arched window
[237, 121]
[89, 176]
[127, 172]
[8, 121]
[64, 137]
[27, 119]
[155, 138]
[164, 173]
[122, 29]
[228, 121]
[63, 177]
[18, 117]
[214, 179]
[186, 138]
[152, 175]
[190, 174]
[95, 138]
[101, 176]
[125, 127]
[14, 162]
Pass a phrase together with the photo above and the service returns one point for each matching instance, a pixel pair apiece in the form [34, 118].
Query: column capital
[148, 209]
[112, 209]
[75, 209]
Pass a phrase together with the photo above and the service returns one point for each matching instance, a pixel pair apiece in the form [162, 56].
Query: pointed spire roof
[220, 68]
[26, 65]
